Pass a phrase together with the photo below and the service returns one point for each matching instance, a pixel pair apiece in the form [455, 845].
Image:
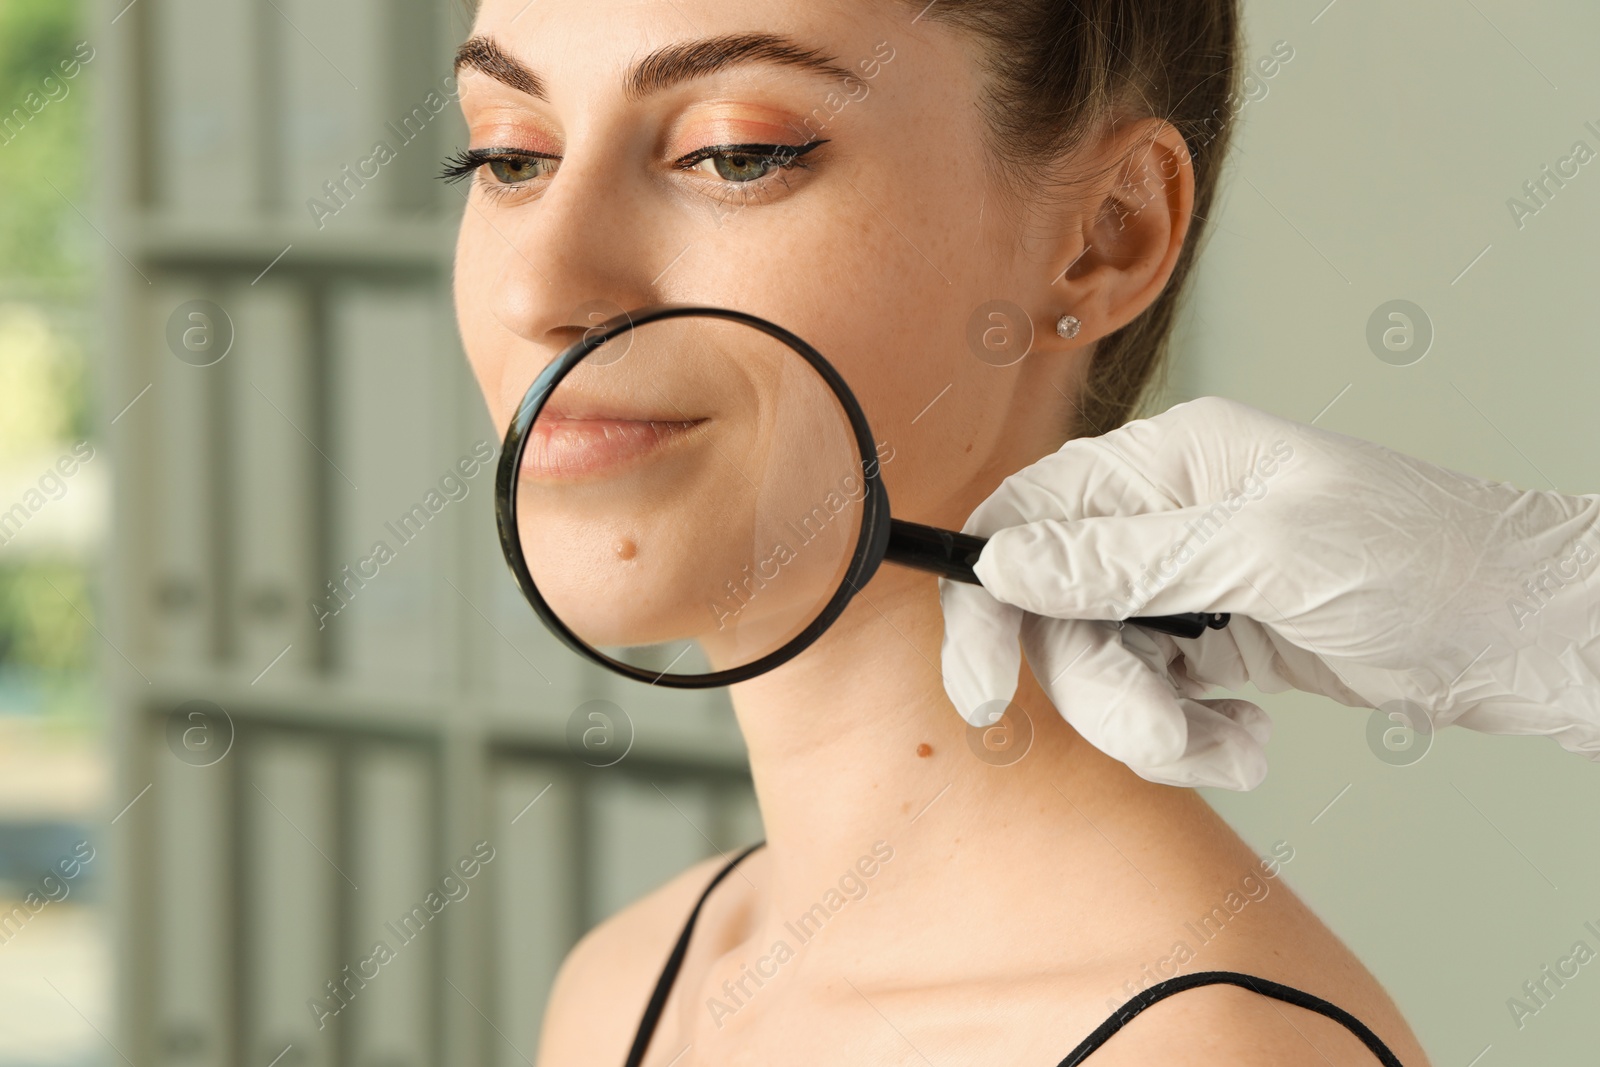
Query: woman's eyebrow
[663, 68]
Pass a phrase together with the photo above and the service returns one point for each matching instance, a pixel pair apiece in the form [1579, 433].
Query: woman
[871, 175]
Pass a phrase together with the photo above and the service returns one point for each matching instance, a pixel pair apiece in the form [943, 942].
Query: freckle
[626, 549]
[924, 750]
[905, 807]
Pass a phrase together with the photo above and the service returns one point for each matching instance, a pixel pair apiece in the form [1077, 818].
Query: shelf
[399, 244]
[498, 721]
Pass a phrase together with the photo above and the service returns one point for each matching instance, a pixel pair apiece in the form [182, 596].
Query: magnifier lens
[690, 496]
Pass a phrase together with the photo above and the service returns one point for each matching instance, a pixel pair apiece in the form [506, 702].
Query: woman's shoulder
[605, 981]
[1230, 1024]
[1241, 1024]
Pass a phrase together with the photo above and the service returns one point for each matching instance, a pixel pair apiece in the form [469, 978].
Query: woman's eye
[507, 168]
[739, 167]
[503, 170]
[741, 164]
[510, 171]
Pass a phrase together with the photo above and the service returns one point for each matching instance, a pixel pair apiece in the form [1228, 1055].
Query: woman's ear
[1120, 242]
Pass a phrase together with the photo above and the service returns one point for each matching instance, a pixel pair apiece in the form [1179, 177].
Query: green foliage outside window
[47, 256]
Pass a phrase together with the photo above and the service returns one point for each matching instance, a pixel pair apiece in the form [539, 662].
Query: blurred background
[236, 753]
[55, 769]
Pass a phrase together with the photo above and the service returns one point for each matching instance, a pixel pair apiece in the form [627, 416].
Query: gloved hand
[1351, 570]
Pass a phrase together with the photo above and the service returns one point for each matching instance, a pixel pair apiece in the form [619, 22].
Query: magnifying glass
[690, 496]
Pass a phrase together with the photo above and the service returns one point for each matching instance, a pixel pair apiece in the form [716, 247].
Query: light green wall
[1376, 167]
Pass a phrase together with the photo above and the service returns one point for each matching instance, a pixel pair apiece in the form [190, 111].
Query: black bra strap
[669, 974]
[1142, 1000]
[1120, 1018]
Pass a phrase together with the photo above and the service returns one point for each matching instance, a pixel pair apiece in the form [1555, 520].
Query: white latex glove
[1351, 570]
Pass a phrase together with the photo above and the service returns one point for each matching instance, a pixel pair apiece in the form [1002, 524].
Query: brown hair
[1058, 69]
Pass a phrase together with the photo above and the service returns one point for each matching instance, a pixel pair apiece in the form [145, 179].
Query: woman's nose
[572, 258]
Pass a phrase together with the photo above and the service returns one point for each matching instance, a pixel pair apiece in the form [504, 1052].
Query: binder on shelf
[330, 66]
[738, 817]
[390, 503]
[403, 910]
[535, 895]
[193, 897]
[177, 420]
[533, 672]
[424, 117]
[297, 988]
[643, 833]
[206, 153]
[700, 718]
[271, 487]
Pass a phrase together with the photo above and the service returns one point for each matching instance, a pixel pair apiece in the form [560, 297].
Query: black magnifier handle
[952, 555]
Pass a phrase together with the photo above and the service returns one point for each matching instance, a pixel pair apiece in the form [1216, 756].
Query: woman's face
[879, 245]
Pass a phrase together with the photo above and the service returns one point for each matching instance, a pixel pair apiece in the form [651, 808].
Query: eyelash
[468, 162]
[472, 161]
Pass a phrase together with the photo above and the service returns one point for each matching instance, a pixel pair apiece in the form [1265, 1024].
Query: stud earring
[1067, 326]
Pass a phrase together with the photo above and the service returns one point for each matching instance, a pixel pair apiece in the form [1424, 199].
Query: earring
[1067, 326]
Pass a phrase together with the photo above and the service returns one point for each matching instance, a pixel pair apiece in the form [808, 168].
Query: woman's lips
[562, 448]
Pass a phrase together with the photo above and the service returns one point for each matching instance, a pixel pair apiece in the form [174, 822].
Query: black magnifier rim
[863, 562]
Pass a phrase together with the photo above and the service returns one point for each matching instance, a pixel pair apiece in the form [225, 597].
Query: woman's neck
[855, 743]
